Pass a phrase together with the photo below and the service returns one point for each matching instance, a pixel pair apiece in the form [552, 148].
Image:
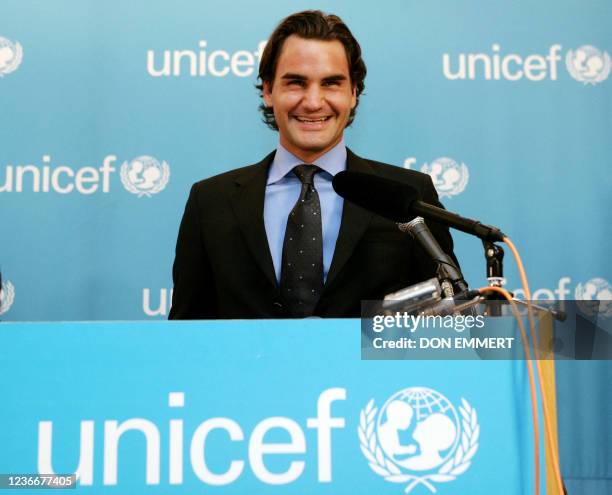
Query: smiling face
[312, 96]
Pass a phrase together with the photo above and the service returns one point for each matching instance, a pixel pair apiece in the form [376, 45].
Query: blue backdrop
[84, 84]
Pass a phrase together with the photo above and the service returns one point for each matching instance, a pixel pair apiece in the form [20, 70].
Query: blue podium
[240, 407]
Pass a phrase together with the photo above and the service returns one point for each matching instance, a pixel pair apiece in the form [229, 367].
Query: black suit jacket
[223, 267]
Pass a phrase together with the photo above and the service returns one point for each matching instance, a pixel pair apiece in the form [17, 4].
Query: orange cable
[547, 425]
[532, 386]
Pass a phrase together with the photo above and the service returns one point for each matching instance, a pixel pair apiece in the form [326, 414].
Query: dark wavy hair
[310, 24]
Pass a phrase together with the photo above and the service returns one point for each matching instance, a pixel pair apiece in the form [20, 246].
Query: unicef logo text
[449, 177]
[441, 442]
[7, 296]
[200, 63]
[11, 55]
[586, 64]
[145, 176]
[253, 445]
[142, 176]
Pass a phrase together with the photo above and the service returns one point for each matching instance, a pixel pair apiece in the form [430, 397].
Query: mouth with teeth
[311, 121]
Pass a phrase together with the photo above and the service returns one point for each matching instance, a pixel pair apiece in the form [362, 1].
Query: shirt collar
[332, 162]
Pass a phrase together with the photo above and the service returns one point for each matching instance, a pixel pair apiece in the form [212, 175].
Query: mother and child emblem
[418, 437]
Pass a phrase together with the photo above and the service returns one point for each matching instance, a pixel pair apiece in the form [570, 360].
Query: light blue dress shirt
[282, 192]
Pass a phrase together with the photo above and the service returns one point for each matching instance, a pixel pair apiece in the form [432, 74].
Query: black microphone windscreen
[385, 197]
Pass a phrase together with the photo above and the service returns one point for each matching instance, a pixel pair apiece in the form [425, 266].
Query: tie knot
[306, 172]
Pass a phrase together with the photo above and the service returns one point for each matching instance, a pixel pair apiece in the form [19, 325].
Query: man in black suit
[272, 239]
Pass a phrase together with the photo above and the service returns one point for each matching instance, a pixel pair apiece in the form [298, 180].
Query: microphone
[400, 202]
[461, 303]
[424, 298]
[447, 270]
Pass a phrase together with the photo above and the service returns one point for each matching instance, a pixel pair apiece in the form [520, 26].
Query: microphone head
[386, 197]
[411, 226]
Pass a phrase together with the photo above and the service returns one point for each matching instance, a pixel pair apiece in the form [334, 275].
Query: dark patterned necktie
[302, 265]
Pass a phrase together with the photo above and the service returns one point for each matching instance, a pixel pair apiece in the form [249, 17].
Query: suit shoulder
[225, 181]
[226, 177]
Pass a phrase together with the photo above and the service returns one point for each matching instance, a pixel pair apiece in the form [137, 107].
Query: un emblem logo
[11, 55]
[595, 297]
[144, 176]
[588, 64]
[7, 296]
[417, 438]
[448, 176]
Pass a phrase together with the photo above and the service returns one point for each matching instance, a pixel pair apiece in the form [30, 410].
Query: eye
[296, 82]
[331, 83]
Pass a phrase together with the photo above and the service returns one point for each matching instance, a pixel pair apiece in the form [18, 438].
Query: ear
[354, 98]
[267, 94]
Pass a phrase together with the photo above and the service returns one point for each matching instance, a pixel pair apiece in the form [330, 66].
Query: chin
[318, 144]
[315, 146]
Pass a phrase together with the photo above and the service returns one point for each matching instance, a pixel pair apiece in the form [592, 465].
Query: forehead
[312, 58]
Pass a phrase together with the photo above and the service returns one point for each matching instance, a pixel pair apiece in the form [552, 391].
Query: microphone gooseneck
[448, 273]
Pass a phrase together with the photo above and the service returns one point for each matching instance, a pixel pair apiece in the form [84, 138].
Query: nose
[313, 98]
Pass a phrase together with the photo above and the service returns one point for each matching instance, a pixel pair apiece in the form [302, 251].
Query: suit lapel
[248, 204]
[355, 221]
